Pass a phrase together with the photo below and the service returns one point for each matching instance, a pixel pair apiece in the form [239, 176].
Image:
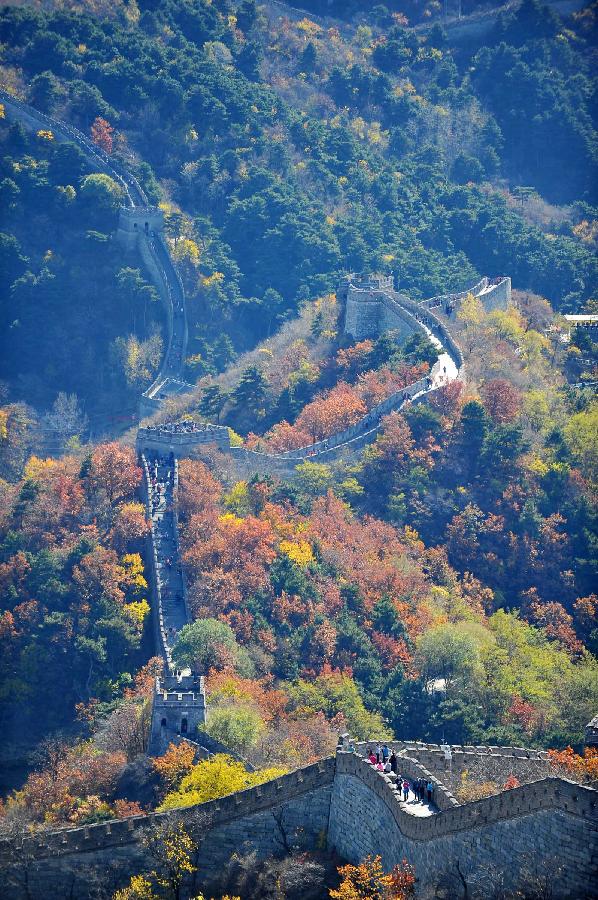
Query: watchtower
[363, 297]
[179, 707]
[137, 220]
[591, 733]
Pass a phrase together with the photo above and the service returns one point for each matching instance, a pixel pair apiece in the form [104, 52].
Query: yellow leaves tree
[133, 575]
[216, 777]
[238, 500]
[471, 314]
[186, 251]
[581, 435]
[139, 888]
[299, 552]
[137, 612]
[173, 850]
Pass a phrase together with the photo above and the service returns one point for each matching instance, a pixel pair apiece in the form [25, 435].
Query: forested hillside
[441, 584]
[73, 312]
[287, 153]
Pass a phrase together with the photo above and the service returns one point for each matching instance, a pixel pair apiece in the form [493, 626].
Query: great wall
[546, 829]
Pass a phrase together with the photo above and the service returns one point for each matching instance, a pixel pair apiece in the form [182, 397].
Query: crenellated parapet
[372, 306]
[553, 821]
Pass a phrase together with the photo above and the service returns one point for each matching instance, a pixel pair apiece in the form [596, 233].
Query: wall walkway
[549, 825]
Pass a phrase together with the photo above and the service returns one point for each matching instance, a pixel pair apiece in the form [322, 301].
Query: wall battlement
[372, 306]
[360, 810]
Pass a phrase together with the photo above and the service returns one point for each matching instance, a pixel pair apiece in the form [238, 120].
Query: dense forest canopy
[286, 152]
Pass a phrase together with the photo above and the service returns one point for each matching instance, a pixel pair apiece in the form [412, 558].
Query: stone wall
[481, 763]
[65, 863]
[549, 825]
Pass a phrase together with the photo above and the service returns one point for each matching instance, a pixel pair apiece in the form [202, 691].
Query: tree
[173, 851]
[250, 392]
[216, 777]
[332, 412]
[135, 293]
[129, 525]
[336, 694]
[246, 15]
[66, 418]
[46, 91]
[367, 881]
[308, 58]
[206, 644]
[12, 263]
[113, 471]
[175, 764]
[126, 730]
[474, 427]
[236, 726]
[447, 651]
[139, 888]
[501, 400]
[313, 478]
[581, 435]
[212, 401]
[101, 193]
[223, 352]
[101, 134]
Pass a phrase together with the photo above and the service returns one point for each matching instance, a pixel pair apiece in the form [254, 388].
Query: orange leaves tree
[101, 134]
[501, 400]
[174, 764]
[69, 784]
[332, 412]
[113, 472]
[582, 768]
[71, 592]
[368, 881]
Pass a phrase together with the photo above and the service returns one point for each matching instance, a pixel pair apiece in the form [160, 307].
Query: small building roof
[583, 319]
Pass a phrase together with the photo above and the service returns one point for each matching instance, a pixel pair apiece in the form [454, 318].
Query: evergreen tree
[250, 393]
[212, 401]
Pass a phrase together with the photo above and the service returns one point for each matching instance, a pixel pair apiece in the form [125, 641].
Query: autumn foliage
[101, 134]
[580, 767]
[367, 881]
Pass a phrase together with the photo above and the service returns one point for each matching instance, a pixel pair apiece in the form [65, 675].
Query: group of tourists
[159, 485]
[187, 426]
[387, 761]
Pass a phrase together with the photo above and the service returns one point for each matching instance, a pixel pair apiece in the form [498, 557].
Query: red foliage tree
[114, 472]
[101, 134]
[332, 412]
[501, 400]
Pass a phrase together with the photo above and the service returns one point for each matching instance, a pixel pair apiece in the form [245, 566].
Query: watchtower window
[184, 726]
[146, 227]
[134, 224]
[163, 723]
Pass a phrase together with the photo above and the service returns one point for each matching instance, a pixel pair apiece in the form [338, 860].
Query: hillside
[286, 153]
[373, 510]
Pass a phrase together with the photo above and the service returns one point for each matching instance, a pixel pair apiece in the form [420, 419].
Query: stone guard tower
[363, 296]
[179, 708]
[136, 221]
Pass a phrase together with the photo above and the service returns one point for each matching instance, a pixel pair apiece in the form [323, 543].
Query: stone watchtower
[591, 733]
[136, 221]
[179, 707]
[363, 299]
